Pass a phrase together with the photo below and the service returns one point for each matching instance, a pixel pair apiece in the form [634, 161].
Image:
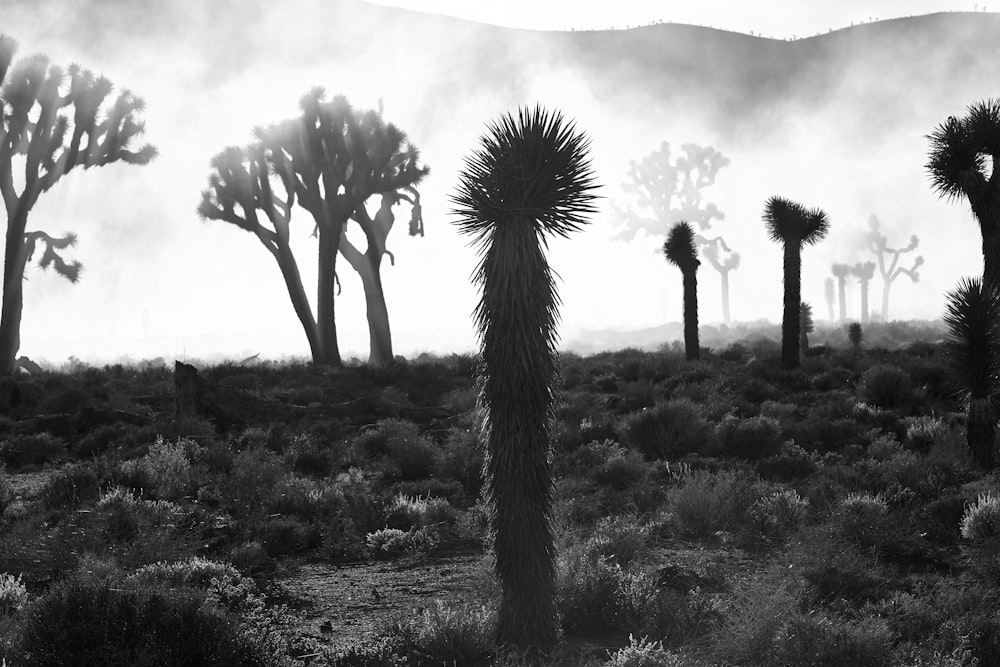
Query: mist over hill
[836, 121]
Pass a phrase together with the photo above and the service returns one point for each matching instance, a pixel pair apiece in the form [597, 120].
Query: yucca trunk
[297, 294]
[691, 345]
[864, 301]
[885, 299]
[518, 301]
[15, 262]
[326, 318]
[793, 299]
[981, 431]
[379, 333]
[725, 297]
[842, 297]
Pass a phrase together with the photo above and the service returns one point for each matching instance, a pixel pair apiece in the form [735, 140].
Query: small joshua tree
[681, 251]
[855, 334]
[828, 294]
[841, 272]
[790, 224]
[888, 261]
[972, 315]
[864, 272]
[806, 325]
[529, 179]
[57, 121]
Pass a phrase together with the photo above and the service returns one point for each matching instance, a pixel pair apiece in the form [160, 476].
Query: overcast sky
[158, 281]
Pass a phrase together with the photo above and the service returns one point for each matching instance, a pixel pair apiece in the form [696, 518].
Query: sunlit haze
[158, 281]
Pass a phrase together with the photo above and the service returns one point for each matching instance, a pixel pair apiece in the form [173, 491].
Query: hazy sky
[158, 281]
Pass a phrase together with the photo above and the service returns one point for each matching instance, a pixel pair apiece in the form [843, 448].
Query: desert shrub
[667, 430]
[461, 459]
[779, 513]
[588, 594]
[618, 539]
[254, 473]
[72, 399]
[196, 572]
[84, 622]
[445, 635]
[70, 487]
[756, 390]
[752, 614]
[706, 502]
[643, 653]
[304, 498]
[31, 450]
[818, 433]
[922, 432]
[981, 520]
[841, 577]
[406, 512]
[13, 594]
[165, 471]
[249, 558]
[307, 455]
[909, 617]
[941, 518]
[860, 518]
[753, 438]
[886, 387]
[621, 470]
[400, 449]
[282, 535]
[780, 412]
[379, 652]
[791, 462]
[100, 439]
[6, 491]
[392, 542]
[817, 640]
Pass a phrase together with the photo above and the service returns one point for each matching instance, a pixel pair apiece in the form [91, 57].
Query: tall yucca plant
[790, 224]
[682, 252]
[963, 163]
[972, 315]
[530, 178]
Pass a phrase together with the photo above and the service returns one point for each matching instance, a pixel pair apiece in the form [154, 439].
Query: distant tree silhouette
[828, 294]
[680, 251]
[963, 155]
[792, 225]
[530, 178]
[855, 334]
[58, 120]
[888, 261]
[330, 161]
[864, 272]
[806, 325]
[668, 190]
[972, 314]
[841, 272]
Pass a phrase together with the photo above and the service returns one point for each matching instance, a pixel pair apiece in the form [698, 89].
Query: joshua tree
[828, 293]
[790, 224]
[806, 325]
[840, 272]
[529, 179]
[855, 334]
[680, 251]
[330, 161]
[864, 272]
[57, 120]
[963, 156]
[668, 190]
[888, 261]
[972, 315]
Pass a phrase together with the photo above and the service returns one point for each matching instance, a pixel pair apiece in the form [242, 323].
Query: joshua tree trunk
[326, 320]
[864, 301]
[725, 296]
[15, 262]
[793, 299]
[691, 347]
[989, 224]
[379, 333]
[886, 285]
[297, 293]
[842, 297]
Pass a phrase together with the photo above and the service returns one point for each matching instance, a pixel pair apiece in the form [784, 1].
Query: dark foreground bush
[81, 622]
[886, 387]
[668, 430]
[754, 438]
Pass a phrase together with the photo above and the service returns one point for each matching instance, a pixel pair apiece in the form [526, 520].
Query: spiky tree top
[518, 174]
[972, 315]
[680, 248]
[964, 150]
[840, 270]
[58, 120]
[864, 271]
[806, 324]
[789, 222]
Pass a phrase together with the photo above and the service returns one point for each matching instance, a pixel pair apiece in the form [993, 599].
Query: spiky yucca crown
[864, 270]
[972, 315]
[960, 148]
[790, 222]
[680, 248]
[530, 168]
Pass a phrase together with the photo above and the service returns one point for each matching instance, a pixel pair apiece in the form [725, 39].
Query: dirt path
[343, 605]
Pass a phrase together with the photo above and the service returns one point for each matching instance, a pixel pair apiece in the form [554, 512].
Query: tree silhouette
[888, 261]
[806, 325]
[680, 251]
[330, 161]
[668, 190]
[963, 155]
[529, 179]
[855, 334]
[972, 314]
[864, 272]
[840, 272]
[790, 224]
[56, 120]
[828, 294]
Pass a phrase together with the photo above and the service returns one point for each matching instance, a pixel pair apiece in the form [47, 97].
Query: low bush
[667, 430]
[70, 487]
[753, 438]
[13, 594]
[32, 450]
[981, 520]
[778, 514]
[643, 653]
[392, 542]
[707, 502]
[860, 518]
[886, 387]
[399, 448]
[165, 472]
[283, 535]
[447, 635]
[790, 463]
[817, 640]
